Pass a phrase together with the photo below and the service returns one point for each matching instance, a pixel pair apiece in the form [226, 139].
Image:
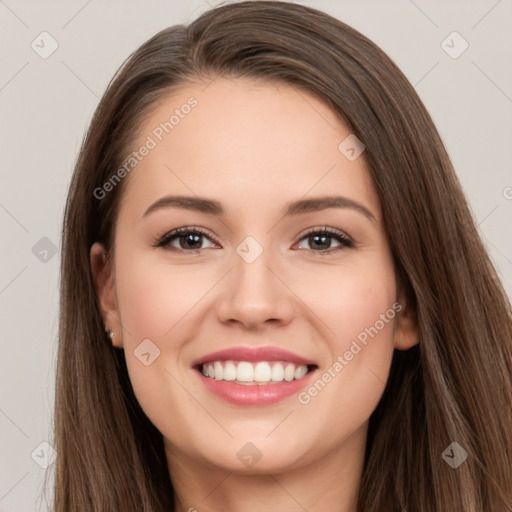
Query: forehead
[246, 142]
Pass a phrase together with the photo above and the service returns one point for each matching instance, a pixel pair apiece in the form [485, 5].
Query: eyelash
[342, 238]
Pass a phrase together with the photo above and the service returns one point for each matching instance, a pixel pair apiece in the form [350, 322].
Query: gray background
[46, 105]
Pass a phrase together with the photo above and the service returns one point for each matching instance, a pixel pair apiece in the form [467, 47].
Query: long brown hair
[454, 386]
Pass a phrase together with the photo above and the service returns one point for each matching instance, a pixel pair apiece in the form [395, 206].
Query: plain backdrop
[47, 103]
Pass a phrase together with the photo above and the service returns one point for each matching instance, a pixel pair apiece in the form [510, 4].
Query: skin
[254, 147]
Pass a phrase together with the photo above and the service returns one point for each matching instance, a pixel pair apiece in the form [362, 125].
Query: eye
[185, 239]
[321, 240]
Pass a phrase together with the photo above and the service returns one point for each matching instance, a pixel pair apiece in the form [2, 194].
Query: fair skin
[254, 148]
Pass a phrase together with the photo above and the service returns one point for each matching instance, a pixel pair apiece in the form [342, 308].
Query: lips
[254, 376]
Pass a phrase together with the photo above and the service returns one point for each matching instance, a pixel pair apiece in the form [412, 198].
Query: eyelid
[327, 230]
[163, 241]
[345, 241]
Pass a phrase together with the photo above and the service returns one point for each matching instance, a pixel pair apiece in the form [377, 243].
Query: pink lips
[241, 394]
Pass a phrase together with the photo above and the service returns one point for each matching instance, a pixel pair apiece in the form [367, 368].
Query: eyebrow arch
[199, 204]
[322, 203]
[212, 207]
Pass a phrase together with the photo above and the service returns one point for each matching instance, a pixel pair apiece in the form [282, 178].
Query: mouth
[254, 376]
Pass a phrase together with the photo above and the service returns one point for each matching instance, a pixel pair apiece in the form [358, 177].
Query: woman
[273, 292]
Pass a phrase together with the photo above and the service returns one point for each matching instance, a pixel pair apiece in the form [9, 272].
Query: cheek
[156, 303]
[358, 305]
[153, 297]
[349, 299]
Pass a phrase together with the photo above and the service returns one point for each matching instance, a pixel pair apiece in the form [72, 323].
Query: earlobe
[406, 326]
[103, 278]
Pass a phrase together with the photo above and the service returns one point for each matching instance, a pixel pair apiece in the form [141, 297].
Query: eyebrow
[212, 207]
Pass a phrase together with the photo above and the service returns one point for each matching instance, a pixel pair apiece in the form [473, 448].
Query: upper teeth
[245, 372]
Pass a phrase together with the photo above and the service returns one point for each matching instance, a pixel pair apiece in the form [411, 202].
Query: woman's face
[259, 295]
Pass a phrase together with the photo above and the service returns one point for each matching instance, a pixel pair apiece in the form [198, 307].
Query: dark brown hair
[455, 386]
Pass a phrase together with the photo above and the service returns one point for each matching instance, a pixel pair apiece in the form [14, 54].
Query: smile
[254, 376]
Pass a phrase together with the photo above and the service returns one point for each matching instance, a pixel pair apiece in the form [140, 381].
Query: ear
[406, 324]
[103, 276]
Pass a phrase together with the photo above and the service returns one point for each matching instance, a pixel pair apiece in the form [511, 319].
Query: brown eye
[185, 239]
[190, 241]
[326, 240]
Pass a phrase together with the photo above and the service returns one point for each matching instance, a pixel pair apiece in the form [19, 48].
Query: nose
[255, 295]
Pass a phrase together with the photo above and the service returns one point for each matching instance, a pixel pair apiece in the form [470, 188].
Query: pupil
[190, 240]
[320, 241]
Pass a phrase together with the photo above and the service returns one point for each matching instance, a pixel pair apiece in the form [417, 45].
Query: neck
[329, 482]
